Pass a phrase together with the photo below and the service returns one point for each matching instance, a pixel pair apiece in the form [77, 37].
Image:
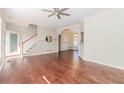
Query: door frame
[59, 42]
[7, 43]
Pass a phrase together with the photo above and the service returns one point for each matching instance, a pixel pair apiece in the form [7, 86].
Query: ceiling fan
[57, 12]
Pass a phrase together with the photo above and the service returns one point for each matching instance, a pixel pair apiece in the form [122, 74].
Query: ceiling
[26, 16]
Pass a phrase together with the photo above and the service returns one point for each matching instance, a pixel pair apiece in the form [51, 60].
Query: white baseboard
[98, 62]
[64, 49]
[81, 56]
[34, 54]
[1, 66]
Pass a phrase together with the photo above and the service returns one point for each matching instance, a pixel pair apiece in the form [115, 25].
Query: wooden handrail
[28, 40]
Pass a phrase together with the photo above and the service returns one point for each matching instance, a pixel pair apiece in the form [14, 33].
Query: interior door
[12, 43]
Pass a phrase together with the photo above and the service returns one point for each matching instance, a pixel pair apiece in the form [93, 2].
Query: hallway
[58, 68]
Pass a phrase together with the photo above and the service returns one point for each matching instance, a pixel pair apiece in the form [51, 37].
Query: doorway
[68, 40]
[59, 43]
[12, 43]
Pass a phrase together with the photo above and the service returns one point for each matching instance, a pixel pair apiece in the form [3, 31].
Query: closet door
[13, 43]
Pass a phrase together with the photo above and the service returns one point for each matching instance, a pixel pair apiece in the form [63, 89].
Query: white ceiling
[25, 16]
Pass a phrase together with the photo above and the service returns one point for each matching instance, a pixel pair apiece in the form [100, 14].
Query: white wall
[76, 28]
[104, 38]
[24, 33]
[2, 39]
[81, 44]
[43, 46]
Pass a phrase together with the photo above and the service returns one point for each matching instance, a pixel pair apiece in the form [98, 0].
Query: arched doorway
[68, 40]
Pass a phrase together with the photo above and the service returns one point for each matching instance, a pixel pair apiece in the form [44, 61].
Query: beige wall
[104, 38]
[76, 29]
[67, 40]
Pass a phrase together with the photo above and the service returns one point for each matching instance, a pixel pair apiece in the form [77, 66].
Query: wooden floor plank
[58, 68]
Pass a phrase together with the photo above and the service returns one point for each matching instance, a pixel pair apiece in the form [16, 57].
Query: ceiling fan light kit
[57, 12]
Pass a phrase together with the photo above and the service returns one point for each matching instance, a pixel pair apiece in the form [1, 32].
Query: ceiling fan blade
[64, 14]
[63, 9]
[47, 10]
[56, 9]
[51, 15]
[58, 16]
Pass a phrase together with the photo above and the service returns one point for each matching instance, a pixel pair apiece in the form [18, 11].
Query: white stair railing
[28, 42]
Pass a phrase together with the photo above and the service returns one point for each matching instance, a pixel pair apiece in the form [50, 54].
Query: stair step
[33, 46]
[27, 51]
[30, 48]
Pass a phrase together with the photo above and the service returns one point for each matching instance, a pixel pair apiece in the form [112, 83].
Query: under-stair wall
[40, 46]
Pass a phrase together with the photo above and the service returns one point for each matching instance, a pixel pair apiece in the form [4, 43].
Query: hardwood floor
[58, 68]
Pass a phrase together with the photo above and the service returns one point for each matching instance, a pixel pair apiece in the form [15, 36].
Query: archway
[68, 40]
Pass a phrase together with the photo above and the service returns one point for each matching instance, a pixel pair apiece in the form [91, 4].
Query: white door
[12, 43]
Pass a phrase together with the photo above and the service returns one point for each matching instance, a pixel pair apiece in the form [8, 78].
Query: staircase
[30, 49]
[35, 46]
[30, 45]
[31, 42]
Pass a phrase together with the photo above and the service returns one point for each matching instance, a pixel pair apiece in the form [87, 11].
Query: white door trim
[7, 44]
